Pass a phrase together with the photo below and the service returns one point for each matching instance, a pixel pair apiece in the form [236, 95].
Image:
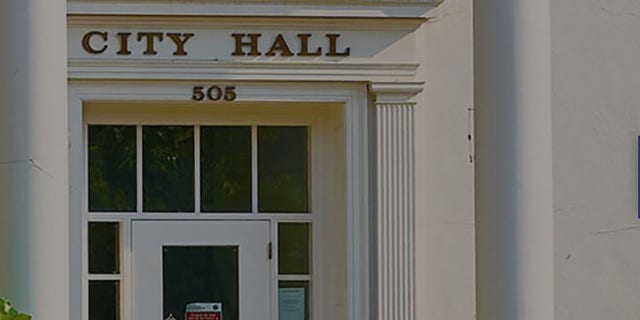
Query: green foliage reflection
[294, 242]
[226, 169]
[283, 169]
[168, 169]
[112, 168]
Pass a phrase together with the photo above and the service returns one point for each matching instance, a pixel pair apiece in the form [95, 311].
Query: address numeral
[214, 93]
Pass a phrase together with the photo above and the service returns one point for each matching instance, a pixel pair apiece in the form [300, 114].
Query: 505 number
[214, 93]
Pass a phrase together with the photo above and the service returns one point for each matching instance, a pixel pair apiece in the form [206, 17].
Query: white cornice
[352, 23]
[350, 9]
[79, 69]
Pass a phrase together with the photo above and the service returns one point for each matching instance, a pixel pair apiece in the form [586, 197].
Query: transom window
[198, 169]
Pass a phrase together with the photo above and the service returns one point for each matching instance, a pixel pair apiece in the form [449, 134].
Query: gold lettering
[150, 36]
[180, 40]
[86, 42]
[304, 46]
[240, 44]
[333, 47]
[124, 43]
[279, 45]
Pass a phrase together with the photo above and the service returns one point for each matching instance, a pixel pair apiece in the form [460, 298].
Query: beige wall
[596, 121]
[445, 223]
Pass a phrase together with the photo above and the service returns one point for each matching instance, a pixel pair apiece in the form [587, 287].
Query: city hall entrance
[209, 212]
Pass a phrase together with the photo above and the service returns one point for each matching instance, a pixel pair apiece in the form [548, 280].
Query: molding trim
[245, 21]
[395, 92]
[349, 9]
[108, 69]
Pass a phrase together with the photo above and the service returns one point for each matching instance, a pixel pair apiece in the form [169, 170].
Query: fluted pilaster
[395, 200]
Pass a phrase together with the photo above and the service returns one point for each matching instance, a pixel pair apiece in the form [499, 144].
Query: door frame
[351, 97]
[198, 239]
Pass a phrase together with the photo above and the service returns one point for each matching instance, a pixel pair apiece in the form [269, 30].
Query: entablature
[109, 46]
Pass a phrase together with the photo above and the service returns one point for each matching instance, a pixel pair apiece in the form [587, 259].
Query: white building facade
[392, 160]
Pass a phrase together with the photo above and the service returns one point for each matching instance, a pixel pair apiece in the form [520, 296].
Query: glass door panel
[200, 275]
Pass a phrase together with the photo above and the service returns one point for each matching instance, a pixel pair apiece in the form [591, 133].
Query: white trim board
[399, 9]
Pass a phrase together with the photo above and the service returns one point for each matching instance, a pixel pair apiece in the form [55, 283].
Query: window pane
[112, 168]
[168, 169]
[104, 300]
[225, 169]
[282, 169]
[104, 248]
[200, 275]
[294, 248]
[293, 300]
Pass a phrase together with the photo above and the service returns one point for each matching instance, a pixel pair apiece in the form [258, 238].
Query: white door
[176, 263]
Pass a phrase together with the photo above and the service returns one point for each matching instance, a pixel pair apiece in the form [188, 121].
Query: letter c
[86, 42]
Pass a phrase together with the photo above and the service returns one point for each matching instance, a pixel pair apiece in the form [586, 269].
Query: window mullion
[105, 277]
[196, 170]
[294, 277]
[254, 169]
[139, 208]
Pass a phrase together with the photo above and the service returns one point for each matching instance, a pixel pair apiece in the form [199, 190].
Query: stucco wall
[445, 221]
[596, 121]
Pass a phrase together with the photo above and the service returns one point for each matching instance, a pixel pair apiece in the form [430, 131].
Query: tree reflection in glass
[283, 169]
[112, 168]
[225, 169]
[294, 246]
[168, 169]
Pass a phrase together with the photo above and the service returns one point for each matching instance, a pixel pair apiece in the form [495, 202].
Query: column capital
[395, 92]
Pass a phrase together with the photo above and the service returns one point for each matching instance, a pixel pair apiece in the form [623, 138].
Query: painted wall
[596, 121]
[444, 183]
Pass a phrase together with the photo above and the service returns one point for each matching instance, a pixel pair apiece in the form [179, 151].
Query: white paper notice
[291, 303]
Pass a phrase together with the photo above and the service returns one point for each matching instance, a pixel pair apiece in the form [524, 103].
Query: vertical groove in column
[396, 234]
[405, 208]
[387, 215]
[382, 279]
[412, 216]
[394, 208]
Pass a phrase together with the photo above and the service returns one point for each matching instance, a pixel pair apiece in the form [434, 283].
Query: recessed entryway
[239, 208]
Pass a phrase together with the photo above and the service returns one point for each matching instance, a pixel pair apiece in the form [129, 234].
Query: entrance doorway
[237, 208]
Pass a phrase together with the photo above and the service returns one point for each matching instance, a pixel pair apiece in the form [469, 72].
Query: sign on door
[203, 311]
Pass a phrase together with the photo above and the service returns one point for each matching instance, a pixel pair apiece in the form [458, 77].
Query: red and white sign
[203, 311]
[204, 316]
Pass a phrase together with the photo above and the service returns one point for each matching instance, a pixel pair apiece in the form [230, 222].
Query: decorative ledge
[393, 92]
[256, 8]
